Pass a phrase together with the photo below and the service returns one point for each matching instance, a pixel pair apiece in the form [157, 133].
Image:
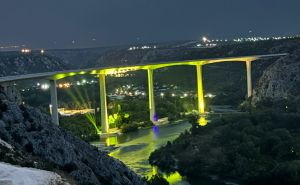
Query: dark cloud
[56, 23]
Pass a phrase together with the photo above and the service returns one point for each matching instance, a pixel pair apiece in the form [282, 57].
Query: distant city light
[26, 50]
[162, 94]
[209, 95]
[204, 39]
[45, 86]
[64, 85]
[173, 95]
[50, 108]
[67, 85]
[141, 47]
[42, 51]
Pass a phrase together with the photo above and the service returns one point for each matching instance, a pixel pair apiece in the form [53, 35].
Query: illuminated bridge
[103, 71]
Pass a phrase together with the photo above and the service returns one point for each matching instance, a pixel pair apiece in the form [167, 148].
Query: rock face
[31, 131]
[15, 63]
[280, 80]
[16, 175]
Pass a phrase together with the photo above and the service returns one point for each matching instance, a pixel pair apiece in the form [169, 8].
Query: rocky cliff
[16, 63]
[280, 80]
[30, 131]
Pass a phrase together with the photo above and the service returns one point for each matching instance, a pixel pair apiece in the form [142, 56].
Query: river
[136, 147]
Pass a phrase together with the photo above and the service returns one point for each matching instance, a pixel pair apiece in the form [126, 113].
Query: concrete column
[153, 116]
[54, 104]
[201, 105]
[103, 104]
[249, 79]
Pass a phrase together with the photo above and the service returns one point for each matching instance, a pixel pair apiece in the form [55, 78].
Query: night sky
[89, 23]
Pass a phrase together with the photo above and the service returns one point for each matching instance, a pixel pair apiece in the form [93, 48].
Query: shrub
[80, 127]
[130, 128]
[157, 180]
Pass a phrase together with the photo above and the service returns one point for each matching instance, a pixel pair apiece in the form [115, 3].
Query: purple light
[155, 131]
[155, 116]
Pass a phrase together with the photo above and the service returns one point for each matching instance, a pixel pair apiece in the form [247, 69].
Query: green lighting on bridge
[81, 101]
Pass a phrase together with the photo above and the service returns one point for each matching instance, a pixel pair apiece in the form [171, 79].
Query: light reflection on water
[136, 147]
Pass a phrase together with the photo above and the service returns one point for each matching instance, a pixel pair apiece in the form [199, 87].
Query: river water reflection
[136, 147]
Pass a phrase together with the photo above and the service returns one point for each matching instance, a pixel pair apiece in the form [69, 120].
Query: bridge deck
[115, 69]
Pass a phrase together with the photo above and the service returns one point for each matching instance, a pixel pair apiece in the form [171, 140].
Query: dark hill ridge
[30, 131]
[15, 63]
[78, 58]
[122, 56]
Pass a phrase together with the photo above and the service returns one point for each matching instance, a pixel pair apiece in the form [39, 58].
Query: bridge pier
[153, 116]
[249, 78]
[103, 104]
[54, 104]
[201, 104]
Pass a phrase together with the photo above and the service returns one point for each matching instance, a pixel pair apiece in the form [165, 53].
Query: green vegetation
[255, 149]
[288, 105]
[80, 127]
[156, 180]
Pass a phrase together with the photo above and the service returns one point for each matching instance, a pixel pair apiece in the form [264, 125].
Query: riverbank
[253, 149]
[35, 142]
[109, 142]
[134, 148]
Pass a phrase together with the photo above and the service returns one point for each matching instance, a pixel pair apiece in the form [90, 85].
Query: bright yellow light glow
[93, 72]
[173, 178]
[125, 69]
[201, 105]
[154, 170]
[202, 121]
[112, 141]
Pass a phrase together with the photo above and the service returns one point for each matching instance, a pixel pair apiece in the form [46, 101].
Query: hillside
[188, 51]
[255, 149]
[281, 80]
[78, 58]
[15, 63]
[31, 132]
